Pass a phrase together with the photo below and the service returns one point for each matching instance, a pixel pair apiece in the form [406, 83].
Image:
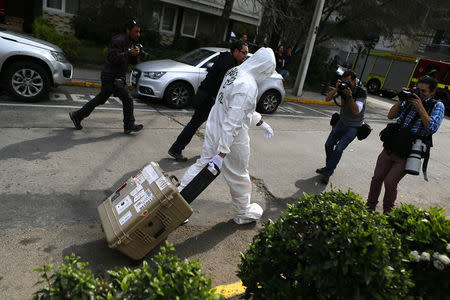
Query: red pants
[390, 169]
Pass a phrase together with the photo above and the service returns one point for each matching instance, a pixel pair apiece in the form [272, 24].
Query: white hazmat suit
[227, 131]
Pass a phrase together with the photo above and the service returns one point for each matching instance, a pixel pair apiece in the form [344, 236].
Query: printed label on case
[150, 174]
[162, 183]
[136, 190]
[139, 196]
[125, 218]
[124, 204]
[139, 179]
[139, 205]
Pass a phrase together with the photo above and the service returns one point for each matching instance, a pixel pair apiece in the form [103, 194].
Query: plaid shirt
[436, 116]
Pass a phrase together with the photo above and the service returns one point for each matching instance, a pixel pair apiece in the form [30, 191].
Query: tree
[222, 24]
[288, 20]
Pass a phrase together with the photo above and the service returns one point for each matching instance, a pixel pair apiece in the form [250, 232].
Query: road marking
[289, 109]
[57, 96]
[312, 109]
[230, 290]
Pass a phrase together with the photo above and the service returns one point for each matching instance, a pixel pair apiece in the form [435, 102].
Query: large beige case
[141, 213]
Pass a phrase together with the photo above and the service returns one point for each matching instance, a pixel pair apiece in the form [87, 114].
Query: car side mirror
[209, 65]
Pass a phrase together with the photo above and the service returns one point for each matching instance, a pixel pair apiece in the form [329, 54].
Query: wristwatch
[260, 122]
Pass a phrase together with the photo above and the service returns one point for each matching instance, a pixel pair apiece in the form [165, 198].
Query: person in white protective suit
[226, 138]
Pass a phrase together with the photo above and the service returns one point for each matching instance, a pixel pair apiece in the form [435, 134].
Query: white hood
[260, 65]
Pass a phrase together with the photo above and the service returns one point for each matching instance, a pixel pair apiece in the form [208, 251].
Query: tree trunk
[222, 24]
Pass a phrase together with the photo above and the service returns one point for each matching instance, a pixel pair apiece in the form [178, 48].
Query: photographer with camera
[353, 99]
[122, 51]
[418, 115]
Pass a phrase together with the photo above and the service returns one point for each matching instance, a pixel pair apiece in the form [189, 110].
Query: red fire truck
[2, 9]
[387, 73]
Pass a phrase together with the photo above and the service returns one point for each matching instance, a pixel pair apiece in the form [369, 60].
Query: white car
[29, 66]
[177, 80]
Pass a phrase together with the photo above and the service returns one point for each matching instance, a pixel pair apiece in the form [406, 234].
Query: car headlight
[154, 75]
[59, 56]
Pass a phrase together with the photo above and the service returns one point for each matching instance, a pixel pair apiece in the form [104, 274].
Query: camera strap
[428, 142]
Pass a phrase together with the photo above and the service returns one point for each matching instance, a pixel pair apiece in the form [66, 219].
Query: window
[189, 25]
[55, 4]
[430, 68]
[444, 77]
[62, 6]
[169, 19]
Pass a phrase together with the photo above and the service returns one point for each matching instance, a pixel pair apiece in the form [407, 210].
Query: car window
[193, 58]
[445, 75]
[212, 60]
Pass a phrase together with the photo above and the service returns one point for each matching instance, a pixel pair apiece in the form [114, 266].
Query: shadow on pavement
[169, 164]
[275, 206]
[41, 147]
[209, 239]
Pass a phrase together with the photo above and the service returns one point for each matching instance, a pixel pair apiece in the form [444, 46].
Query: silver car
[29, 66]
[177, 80]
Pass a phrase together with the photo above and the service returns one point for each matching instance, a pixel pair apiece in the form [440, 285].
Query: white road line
[312, 109]
[73, 106]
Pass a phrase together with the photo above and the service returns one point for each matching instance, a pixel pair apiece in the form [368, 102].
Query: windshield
[193, 58]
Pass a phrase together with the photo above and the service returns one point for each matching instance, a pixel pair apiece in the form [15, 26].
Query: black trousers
[202, 103]
[107, 89]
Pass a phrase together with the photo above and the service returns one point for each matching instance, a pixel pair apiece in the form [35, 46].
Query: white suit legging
[235, 172]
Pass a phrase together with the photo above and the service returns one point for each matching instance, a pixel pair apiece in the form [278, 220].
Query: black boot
[134, 128]
[75, 120]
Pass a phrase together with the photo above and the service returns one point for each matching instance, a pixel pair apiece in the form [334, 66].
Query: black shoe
[177, 156]
[76, 122]
[320, 171]
[324, 179]
[134, 128]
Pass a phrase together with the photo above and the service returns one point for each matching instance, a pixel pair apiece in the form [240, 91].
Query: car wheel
[178, 95]
[373, 86]
[27, 81]
[268, 103]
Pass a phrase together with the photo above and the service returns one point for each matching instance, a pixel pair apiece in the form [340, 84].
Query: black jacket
[118, 58]
[211, 83]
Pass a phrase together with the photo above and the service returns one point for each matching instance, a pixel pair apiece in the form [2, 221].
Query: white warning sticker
[139, 196]
[150, 174]
[124, 204]
[137, 189]
[139, 179]
[162, 183]
[144, 202]
[125, 218]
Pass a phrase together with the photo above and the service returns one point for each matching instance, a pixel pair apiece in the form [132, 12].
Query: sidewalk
[317, 98]
[87, 77]
[91, 78]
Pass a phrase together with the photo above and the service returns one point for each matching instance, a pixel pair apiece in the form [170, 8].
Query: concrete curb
[300, 100]
[231, 291]
[85, 83]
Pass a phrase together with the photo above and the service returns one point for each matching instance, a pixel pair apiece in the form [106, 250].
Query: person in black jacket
[206, 94]
[121, 53]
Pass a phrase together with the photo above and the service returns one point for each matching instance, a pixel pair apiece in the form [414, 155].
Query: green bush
[168, 279]
[44, 30]
[326, 246]
[425, 236]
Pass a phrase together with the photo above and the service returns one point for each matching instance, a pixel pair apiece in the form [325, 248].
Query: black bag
[399, 139]
[334, 119]
[363, 131]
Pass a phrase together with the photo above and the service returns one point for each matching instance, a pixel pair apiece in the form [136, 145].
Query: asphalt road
[54, 177]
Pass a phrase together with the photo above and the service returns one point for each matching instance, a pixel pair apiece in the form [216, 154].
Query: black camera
[344, 84]
[142, 53]
[408, 94]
